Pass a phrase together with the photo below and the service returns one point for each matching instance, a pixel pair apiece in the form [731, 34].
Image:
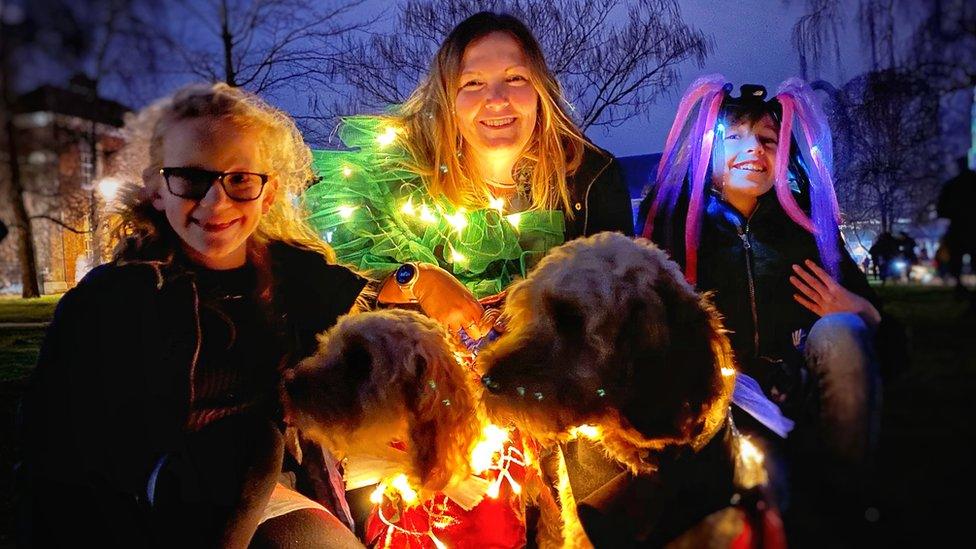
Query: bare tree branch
[609, 71]
[61, 223]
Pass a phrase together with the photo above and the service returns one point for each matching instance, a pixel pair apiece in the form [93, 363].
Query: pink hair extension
[673, 167]
[703, 155]
[782, 185]
[824, 210]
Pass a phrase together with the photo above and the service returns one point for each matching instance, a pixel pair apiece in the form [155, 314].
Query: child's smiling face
[214, 230]
[750, 158]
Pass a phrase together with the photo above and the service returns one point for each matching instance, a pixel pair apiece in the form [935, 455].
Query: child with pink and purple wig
[745, 202]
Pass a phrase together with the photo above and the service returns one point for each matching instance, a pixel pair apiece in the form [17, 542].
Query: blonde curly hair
[290, 159]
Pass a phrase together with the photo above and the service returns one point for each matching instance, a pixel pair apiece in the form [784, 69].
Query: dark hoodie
[112, 392]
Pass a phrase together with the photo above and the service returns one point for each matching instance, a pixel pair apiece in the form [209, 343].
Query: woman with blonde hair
[474, 177]
[153, 416]
[453, 196]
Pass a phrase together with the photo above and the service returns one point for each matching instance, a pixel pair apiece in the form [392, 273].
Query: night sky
[752, 45]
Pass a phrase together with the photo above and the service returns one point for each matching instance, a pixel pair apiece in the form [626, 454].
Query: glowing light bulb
[387, 137]
[492, 490]
[459, 221]
[721, 128]
[514, 219]
[401, 484]
[376, 497]
[345, 212]
[408, 208]
[814, 150]
[456, 256]
[346, 171]
[749, 452]
[726, 371]
[426, 215]
[496, 203]
[591, 432]
[493, 439]
[516, 487]
[109, 187]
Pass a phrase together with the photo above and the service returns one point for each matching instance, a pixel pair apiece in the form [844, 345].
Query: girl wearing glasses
[158, 376]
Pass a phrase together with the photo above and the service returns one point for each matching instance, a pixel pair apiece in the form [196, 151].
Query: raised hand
[822, 295]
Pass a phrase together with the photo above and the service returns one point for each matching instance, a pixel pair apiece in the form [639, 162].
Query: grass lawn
[927, 447]
[15, 309]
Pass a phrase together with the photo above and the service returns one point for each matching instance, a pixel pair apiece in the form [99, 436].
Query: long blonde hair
[433, 139]
[281, 144]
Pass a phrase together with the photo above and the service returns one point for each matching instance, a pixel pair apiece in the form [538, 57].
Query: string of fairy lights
[377, 215]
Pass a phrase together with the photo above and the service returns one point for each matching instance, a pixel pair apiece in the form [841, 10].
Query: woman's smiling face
[495, 107]
[750, 157]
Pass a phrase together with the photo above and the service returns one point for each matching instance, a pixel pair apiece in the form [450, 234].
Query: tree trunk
[25, 237]
[25, 244]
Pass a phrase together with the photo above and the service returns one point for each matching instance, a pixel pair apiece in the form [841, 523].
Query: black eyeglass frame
[213, 176]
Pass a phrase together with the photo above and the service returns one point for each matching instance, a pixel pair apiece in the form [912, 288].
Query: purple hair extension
[824, 210]
[782, 184]
[701, 144]
[673, 167]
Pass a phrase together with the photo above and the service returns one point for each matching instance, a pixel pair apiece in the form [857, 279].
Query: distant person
[955, 204]
[906, 249]
[883, 252]
[866, 265]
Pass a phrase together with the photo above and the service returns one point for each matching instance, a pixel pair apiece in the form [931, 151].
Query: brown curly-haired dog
[388, 376]
[607, 332]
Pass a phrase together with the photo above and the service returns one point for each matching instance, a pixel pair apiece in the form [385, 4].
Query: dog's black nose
[490, 384]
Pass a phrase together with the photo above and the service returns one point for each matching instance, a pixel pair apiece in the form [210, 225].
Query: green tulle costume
[377, 215]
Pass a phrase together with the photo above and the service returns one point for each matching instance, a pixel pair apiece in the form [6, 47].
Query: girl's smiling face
[495, 107]
[213, 230]
[750, 157]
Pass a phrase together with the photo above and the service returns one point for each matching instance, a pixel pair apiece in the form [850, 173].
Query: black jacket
[111, 391]
[600, 199]
[746, 263]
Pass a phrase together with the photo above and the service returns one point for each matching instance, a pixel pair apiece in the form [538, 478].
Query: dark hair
[484, 23]
[750, 107]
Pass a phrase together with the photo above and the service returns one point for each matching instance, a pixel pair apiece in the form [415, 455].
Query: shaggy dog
[388, 376]
[606, 333]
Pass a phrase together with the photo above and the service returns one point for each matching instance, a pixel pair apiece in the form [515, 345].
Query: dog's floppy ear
[674, 386]
[567, 317]
[442, 418]
[357, 361]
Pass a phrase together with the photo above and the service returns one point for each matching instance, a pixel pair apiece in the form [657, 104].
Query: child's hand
[823, 295]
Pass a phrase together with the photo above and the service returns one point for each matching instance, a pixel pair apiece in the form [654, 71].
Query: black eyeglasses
[195, 183]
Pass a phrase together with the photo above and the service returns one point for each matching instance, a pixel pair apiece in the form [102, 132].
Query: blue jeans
[840, 358]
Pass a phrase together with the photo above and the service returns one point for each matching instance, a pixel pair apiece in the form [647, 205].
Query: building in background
[66, 140]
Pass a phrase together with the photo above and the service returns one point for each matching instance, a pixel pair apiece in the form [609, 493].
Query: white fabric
[284, 500]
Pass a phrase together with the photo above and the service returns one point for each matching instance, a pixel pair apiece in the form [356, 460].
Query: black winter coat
[746, 263]
[111, 391]
[600, 198]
